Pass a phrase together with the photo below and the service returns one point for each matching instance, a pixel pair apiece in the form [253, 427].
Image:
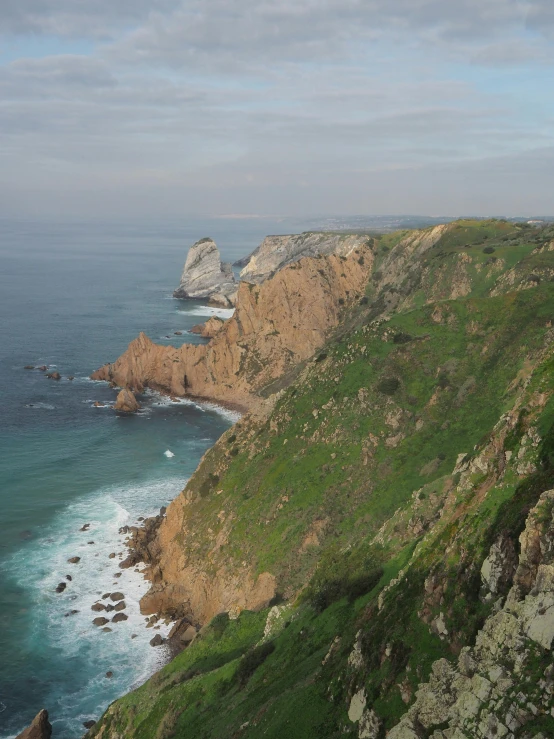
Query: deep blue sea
[72, 296]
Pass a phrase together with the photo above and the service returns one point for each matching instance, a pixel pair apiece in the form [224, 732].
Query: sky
[163, 108]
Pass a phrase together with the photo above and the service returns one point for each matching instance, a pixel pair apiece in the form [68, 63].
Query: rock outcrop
[481, 695]
[39, 729]
[205, 276]
[275, 326]
[126, 402]
[208, 329]
[275, 252]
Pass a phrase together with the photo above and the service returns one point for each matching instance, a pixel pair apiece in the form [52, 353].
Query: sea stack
[39, 729]
[205, 276]
[126, 402]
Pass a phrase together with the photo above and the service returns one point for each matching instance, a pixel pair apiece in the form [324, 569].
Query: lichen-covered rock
[206, 277]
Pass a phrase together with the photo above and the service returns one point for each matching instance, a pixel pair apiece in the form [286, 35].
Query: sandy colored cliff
[275, 326]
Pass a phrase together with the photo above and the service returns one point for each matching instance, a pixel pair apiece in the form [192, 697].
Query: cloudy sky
[171, 107]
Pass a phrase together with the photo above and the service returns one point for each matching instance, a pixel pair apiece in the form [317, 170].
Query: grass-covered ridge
[372, 490]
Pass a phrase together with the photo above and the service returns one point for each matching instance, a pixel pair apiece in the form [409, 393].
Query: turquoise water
[72, 296]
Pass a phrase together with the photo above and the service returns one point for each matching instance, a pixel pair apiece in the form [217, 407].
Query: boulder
[98, 607]
[116, 596]
[54, 375]
[29, 366]
[85, 527]
[42, 368]
[121, 606]
[61, 587]
[126, 402]
[74, 560]
[109, 674]
[119, 617]
[209, 329]
[89, 724]
[205, 276]
[39, 729]
[157, 641]
[100, 621]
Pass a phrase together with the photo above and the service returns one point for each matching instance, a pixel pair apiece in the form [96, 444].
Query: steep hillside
[375, 539]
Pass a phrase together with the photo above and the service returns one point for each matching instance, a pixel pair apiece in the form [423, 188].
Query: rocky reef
[205, 276]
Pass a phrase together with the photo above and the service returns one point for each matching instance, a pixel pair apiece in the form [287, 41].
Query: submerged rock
[89, 724]
[39, 729]
[74, 560]
[126, 402]
[61, 587]
[205, 276]
[54, 376]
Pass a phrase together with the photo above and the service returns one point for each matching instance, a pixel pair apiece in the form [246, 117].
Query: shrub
[232, 439]
[401, 338]
[361, 261]
[388, 385]
[363, 584]
[341, 301]
[364, 300]
[489, 250]
[234, 451]
[321, 357]
[209, 483]
[251, 661]
[443, 381]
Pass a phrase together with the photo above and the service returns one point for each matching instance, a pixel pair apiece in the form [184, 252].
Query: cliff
[395, 498]
[205, 276]
[275, 252]
[275, 326]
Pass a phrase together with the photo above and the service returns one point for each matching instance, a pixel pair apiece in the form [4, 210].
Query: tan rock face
[275, 252]
[39, 729]
[275, 326]
[126, 402]
[208, 329]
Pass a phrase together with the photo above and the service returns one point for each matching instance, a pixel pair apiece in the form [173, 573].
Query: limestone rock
[39, 729]
[126, 402]
[205, 276]
[276, 252]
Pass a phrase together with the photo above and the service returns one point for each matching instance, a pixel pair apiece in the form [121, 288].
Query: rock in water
[39, 729]
[126, 402]
[205, 276]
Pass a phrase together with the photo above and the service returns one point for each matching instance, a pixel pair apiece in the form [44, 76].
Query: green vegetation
[373, 492]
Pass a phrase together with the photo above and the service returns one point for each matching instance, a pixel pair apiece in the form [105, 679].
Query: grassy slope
[341, 456]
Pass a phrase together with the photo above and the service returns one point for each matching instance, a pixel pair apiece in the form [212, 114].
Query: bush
[232, 439]
[443, 382]
[489, 250]
[341, 301]
[251, 661]
[321, 357]
[401, 338]
[388, 385]
[209, 483]
[364, 300]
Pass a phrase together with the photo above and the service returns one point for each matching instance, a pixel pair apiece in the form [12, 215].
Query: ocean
[72, 296]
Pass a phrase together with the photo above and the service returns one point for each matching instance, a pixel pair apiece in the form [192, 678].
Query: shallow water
[72, 296]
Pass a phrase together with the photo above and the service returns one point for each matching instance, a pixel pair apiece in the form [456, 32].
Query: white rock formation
[206, 276]
[275, 252]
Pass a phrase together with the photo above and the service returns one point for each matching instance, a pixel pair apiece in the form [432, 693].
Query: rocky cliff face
[39, 729]
[276, 325]
[205, 276]
[275, 252]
